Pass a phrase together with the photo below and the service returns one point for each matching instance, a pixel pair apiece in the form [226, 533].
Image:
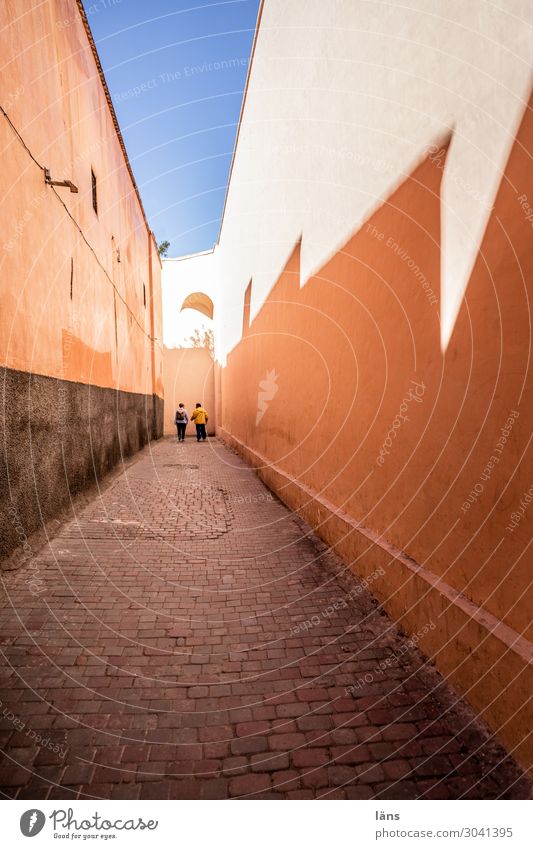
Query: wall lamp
[66, 183]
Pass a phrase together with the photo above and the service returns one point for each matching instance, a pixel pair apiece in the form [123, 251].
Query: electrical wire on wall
[77, 226]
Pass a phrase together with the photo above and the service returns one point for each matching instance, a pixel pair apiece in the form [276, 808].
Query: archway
[198, 301]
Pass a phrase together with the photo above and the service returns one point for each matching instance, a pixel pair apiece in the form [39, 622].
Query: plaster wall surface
[81, 321]
[344, 99]
[373, 290]
[188, 374]
[402, 455]
[79, 284]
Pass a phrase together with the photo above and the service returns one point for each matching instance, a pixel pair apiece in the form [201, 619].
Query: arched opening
[198, 335]
[200, 302]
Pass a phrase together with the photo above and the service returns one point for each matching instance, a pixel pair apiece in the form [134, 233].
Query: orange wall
[53, 95]
[353, 351]
[188, 377]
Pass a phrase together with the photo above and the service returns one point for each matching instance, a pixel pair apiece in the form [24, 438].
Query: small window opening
[71, 275]
[93, 187]
[116, 326]
[144, 294]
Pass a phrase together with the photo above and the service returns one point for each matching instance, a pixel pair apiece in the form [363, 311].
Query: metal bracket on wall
[66, 183]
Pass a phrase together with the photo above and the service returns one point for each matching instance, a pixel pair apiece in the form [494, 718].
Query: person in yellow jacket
[200, 418]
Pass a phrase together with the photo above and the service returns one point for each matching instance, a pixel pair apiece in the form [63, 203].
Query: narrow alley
[187, 636]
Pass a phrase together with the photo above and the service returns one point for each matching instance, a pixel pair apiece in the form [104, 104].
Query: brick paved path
[164, 652]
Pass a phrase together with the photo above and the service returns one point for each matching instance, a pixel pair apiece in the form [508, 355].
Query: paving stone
[310, 757]
[250, 784]
[266, 762]
[249, 745]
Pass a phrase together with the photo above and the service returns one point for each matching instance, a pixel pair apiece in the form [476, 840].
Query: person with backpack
[181, 420]
[200, 418]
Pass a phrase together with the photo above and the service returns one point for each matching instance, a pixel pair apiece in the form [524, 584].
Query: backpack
[180, 416]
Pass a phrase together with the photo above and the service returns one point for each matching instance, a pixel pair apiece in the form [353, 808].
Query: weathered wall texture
[188, 375]
[59, 437]
[344, 100]
[343, 388]
[81, 300]
[377, 235]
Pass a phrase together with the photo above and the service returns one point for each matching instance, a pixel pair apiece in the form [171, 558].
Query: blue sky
[176, 70]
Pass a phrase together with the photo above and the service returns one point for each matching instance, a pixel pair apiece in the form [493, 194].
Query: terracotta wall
[396, 453]
[188, 375]
[65, 280]
[81, 323]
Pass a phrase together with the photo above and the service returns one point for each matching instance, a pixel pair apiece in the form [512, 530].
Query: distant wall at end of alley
[188, 375]
[80, 324]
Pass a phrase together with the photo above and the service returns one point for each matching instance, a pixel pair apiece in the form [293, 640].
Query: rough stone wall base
[57, 437]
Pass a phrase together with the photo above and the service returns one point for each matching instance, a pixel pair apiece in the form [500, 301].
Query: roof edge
[189, 256]
[257, 25]
[113, 114]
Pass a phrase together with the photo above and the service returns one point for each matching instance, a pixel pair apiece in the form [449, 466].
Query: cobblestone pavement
[186, 636]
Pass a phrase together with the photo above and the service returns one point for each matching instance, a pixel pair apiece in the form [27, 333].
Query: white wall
[180, 278]
[344, 98]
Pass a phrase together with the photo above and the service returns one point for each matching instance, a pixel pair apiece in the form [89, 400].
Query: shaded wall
[397, 454]
[189, 376]
[59, 437]
[80, 325]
